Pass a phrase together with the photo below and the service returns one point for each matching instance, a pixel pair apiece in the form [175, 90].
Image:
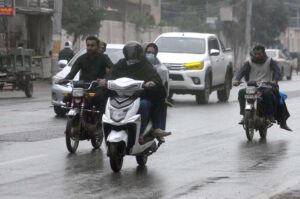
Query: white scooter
[121, 124]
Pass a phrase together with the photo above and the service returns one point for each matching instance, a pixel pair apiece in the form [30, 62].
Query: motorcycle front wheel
[96, 141]
[249, 126]
[72, 137]
[115, 157]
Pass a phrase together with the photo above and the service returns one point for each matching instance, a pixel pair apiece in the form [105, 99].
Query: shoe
[160, 133]
[242, 122]
[285, 127]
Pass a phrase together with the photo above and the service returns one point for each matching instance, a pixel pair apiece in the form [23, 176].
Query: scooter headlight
[77, 92]
[118, 115]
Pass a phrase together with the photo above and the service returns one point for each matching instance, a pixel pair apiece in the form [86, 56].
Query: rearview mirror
[62, 63]
[214, 52]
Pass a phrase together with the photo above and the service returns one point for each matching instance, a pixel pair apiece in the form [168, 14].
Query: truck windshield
[181, 45]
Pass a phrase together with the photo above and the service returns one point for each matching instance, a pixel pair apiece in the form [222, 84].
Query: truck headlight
[194, 65]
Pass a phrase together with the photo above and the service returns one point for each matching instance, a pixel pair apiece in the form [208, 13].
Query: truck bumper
[185, 82]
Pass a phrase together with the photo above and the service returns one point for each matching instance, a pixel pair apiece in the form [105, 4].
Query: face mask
[150, 56]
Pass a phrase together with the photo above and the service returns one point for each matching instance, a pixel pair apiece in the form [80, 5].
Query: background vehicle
[114, 51]
[198, 64]
[285, 64]
[83, 120]
[15, 70]
[254, 119]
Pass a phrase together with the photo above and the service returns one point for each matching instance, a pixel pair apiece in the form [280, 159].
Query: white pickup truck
[198, 64]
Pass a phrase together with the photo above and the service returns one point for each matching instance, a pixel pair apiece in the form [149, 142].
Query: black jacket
[66, 54]
[91, 68]
[140, 71]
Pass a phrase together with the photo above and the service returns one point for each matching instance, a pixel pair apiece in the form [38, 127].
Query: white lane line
[22, 159]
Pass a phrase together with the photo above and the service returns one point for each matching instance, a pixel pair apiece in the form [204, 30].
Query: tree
[269, 19]
[81, 18]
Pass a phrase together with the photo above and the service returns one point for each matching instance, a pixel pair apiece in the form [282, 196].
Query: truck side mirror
[62, 63]
[214, 52]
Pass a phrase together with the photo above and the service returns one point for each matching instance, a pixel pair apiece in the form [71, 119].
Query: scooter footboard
[117, 136]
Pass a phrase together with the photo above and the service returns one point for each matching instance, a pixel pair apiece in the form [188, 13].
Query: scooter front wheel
[115, 157]
[249, 126]
[72, 138]
[141, 159]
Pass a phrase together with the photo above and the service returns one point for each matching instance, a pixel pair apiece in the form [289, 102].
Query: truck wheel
[223, 94]
[202, 97]
[29, 89]
[60, 111]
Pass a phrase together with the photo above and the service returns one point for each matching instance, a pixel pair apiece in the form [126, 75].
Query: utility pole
[56, 33]
[248, 25]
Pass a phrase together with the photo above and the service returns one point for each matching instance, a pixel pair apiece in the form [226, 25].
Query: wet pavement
[207, 156]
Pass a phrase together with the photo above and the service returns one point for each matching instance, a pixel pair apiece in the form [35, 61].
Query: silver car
[285, 65]
[115, 53]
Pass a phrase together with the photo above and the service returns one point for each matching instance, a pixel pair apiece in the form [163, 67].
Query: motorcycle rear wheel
[115, 158]
[263, 133]
[141, 159]
[248, 126]
[72, 141]
[96, 141]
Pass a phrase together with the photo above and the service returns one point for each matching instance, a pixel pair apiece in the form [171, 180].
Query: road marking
[22, 159]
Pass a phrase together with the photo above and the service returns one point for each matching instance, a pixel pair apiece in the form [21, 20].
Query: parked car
[198, 64]
[115, 52]
[285, 64]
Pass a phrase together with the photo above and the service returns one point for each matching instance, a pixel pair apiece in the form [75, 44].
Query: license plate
[250, 96]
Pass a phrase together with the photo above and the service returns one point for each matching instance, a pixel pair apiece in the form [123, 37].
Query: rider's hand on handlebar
[102, 82]
[236, 83]
[149, 84]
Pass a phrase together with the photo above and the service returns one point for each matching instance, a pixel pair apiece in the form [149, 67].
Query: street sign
[7, 8]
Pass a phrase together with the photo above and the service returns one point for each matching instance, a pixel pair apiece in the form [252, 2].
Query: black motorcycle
[254, 112]
[84, 121]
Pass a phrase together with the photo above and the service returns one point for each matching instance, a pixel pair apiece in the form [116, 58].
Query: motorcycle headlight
[118, 115]
[77, 92]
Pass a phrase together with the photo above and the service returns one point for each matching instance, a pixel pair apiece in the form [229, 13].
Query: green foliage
[81, 18]
[142, 20]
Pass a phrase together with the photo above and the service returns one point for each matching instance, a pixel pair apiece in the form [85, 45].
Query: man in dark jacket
[67, 53]
[92, 66]
[135, 66]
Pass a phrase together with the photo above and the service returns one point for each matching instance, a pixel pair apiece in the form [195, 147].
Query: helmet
[133, 52]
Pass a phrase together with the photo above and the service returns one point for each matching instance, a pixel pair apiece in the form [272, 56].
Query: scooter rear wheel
[72, 139]
[115, 157]
[249, 126]
[141, 159]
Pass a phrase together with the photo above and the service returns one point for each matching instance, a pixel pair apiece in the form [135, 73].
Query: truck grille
[176, 77]
[172, 66]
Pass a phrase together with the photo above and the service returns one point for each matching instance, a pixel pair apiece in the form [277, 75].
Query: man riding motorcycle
[135, 66]
[92, 66]
[261, 68]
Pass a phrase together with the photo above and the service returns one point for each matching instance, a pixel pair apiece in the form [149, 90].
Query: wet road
[206, 157]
